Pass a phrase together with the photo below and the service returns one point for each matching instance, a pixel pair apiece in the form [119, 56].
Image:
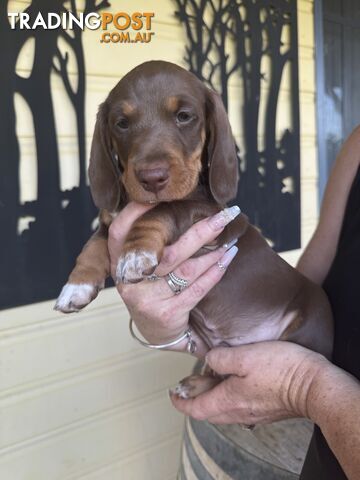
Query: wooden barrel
[270, 452]
[227, 452]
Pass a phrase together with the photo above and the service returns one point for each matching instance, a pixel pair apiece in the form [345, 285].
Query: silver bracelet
[190, 347]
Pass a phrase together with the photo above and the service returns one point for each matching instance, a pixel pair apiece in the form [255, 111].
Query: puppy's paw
[74, 297]
[134, 266]
[194, 385]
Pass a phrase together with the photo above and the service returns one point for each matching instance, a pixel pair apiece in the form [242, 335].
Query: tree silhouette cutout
[36, 261]
[228, 42]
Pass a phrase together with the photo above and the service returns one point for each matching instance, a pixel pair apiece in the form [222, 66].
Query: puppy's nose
[154, 179]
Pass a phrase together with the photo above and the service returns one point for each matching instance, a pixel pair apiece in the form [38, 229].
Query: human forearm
[320, 252]
[317, 258]
[270, 381]
[333, 403]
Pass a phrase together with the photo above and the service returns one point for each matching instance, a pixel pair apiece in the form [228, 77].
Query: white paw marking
[132, 267]
[181, 390]
[74, 297]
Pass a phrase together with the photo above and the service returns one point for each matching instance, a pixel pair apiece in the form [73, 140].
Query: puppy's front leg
[90, 272]
[157, 228]
[145, 243]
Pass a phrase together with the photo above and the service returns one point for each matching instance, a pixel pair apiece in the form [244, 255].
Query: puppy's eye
[123, 123]
[183, 117]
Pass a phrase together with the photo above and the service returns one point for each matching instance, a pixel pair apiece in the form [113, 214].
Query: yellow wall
[79, 399]
[308, 146]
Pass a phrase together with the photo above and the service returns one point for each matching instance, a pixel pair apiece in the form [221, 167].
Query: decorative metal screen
[247, 51]
[40, 239]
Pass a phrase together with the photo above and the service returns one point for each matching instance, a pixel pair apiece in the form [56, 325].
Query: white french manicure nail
[221, 219]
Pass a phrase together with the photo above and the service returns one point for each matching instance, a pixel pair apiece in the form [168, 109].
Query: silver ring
[176, 284]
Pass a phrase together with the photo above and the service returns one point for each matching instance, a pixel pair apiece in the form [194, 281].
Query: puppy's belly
[234, 329]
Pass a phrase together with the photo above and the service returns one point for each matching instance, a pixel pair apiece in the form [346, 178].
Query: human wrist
[156, 333]
[304, 384]
[326, 398]
[321, 373]
[161, 335]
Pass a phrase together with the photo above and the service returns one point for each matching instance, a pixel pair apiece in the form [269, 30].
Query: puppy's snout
[153, 179]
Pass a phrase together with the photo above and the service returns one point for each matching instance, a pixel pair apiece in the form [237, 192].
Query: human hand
[268, 381]
[160, 315]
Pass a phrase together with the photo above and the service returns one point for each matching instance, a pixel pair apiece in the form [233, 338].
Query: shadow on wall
[36, 261]
[250, 48]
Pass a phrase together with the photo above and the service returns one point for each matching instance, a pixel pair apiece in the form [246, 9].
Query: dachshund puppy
[162, 137]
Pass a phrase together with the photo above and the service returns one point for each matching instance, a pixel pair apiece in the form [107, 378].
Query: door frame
[320, 97]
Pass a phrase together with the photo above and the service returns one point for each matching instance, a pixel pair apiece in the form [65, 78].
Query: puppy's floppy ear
[222, 158]
[104, 179]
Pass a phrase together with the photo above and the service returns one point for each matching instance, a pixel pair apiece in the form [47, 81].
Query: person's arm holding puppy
[317, 257]
[271, 381]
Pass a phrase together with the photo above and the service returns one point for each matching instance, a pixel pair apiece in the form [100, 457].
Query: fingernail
[228, 245]
[221, 219]
[227, 258]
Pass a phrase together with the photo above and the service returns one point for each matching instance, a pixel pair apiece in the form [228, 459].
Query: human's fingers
[272, 355]
[191, 270]
[226, 360]
[215, 402]
[193, 239]
[245, 419]
[231, 402]
[195, 292]
[228, 418]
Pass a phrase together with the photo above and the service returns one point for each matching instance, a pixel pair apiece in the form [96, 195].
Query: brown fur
[142, 126]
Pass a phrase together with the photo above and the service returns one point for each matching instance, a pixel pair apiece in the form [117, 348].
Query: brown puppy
[162, 137]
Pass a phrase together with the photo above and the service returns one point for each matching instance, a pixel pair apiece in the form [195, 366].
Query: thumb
[120, 227]
[122, 224]
[224, 361]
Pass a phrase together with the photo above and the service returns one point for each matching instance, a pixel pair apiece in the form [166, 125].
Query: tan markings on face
[187, 178]
[184, 177]
[130, 182]
[128, 108]
[172, 103]
[194, 161]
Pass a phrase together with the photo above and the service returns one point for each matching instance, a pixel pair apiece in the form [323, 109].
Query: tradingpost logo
[129, 27]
